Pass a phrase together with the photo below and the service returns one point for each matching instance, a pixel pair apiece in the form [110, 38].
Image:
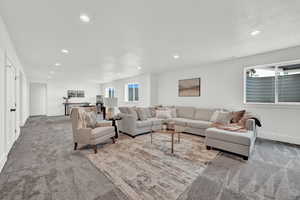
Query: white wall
[144, 92]
[222, 87]
[7, 50]
[38, 99]
[57, 90]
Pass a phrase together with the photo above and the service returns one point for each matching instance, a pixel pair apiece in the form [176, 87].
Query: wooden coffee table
[178, 130]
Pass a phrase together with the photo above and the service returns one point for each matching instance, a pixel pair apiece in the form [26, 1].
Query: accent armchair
[90, 136]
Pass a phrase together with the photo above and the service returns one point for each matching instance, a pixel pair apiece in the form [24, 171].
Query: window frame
[276, 65]
[127, 94]
[107, 92]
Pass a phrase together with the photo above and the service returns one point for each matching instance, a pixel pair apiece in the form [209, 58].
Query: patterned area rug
[145, 171]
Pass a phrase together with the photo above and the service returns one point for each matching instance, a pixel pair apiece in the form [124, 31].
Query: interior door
[11, 118]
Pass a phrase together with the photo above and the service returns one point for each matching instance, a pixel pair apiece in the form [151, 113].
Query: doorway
[11, 104]
[38, 99]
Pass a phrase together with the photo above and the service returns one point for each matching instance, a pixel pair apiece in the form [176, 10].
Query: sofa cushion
[155, 121]
[102, 131]
[141, 112]
[146, 123]
[123, 110]
[180, 121]
[132, 111]
[185, 112]
[203, 114]
[163, 114]
[199, 124]
[243, 138]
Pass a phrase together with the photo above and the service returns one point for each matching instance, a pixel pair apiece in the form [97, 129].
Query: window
[132, 92]
[110, 92]
[276, 83]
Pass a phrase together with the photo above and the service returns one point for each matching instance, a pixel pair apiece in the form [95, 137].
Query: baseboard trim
[279, 137]
[2, 162]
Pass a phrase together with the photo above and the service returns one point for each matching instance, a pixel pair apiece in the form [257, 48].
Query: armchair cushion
[102, 131]
[103, 124]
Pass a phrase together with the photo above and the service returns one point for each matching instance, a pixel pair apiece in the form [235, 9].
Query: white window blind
[277, 84]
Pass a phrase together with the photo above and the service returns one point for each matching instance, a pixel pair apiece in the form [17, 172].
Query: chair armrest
[103, 124]
[83, 135]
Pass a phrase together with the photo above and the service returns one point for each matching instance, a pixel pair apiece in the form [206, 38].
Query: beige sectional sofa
[196, 121]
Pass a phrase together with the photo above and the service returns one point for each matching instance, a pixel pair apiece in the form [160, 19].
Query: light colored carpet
[149, 171]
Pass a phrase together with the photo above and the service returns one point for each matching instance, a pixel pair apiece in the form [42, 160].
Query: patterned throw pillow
[142, 115]
[224, 117]
[163, 114]
[148, 112]
[153, 111]
[90, 119]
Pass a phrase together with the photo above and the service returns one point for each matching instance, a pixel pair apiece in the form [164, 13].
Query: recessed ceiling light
[57, 64]
[49, 77]
[51, 72]
[85, 18]
[255, 32]
[119, 74]
[139, 67]
[176, 56]
[65, 51]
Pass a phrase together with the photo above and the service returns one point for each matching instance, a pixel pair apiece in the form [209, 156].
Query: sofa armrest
[251, 126]
[83, 135]
[128, 123]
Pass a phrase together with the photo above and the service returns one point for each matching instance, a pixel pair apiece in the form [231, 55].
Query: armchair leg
[75, 146]
[245, 157]
[208, 147]
[95, 148]
[113, 140]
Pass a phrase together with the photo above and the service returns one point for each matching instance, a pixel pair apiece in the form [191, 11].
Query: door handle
[13, 110]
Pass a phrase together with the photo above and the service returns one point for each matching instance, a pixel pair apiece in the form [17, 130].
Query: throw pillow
[224, 117]
[141, 112]
[163, 114]
[244, 119]
[148, 112]
[237, 116]
[90, 119]
[214, 117]
[173, 112]
[132, 111]
[153, 111]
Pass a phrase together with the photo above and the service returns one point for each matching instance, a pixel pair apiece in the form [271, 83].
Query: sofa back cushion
[204, 114]
[142, 113]
[124, 110]
[132, 111]
[185, 112]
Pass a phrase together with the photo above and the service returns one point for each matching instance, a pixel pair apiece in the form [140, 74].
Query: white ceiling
[124, 34]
